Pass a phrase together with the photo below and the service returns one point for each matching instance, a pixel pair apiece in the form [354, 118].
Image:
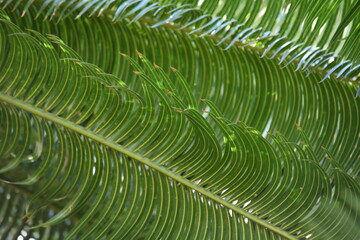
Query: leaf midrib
[100, 139]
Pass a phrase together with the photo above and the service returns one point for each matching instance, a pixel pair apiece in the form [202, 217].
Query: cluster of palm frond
[197, 139]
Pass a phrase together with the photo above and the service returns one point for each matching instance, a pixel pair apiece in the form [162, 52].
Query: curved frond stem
[76, 128]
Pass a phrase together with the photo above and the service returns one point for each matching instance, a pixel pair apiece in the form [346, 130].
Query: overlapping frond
[243, 85]
[332, 25]
[144, 157]
[85, 171]
[304, 40]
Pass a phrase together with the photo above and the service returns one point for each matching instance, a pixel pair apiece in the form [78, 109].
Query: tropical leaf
[104, 150]
[192, 21]
[311, 22]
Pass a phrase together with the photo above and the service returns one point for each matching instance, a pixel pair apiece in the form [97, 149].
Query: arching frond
[306, 35]
[189, 152]
[332, 25]
[217, 75]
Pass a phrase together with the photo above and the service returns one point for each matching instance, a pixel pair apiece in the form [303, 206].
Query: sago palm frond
[191, 141]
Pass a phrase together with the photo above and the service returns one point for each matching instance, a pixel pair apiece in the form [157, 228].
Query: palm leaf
[140, 159]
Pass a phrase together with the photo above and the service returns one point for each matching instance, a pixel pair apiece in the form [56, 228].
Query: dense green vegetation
[179, 119]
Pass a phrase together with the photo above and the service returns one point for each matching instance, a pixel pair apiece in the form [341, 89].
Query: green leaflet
[95, 133]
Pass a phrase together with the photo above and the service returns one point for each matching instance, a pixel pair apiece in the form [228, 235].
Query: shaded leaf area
[13, 224]
[243, 85]
[308, 56]
[107, 151]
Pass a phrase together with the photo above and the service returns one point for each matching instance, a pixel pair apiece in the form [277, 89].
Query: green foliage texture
[179, 119]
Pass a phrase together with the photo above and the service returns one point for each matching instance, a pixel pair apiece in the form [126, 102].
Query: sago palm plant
[179, 119]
